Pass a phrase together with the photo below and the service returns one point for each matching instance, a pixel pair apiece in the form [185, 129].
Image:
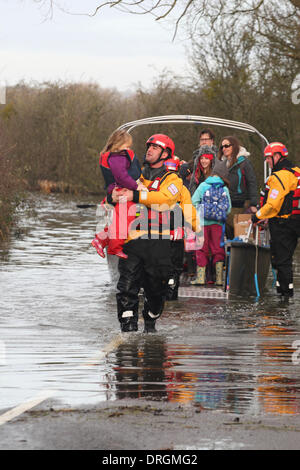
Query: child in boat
[121, 169]
[214, 196]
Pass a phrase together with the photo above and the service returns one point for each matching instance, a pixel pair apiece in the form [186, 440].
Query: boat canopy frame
[198, 120]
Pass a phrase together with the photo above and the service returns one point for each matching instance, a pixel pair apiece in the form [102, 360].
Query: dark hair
[225, 180]
[201, 172]
[207, 131]
[185, 171]
[191, 165]
[235, 148]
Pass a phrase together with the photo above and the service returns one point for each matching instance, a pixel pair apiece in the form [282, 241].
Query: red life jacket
[296, 193]
[157, 220]
[134, 170]
[103, 161]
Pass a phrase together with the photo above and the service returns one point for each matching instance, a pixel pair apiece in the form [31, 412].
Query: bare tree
[273, 23]
[195, 11]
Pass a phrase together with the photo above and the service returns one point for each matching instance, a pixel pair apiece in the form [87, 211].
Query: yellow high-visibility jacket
[161, 197]
[278, 185]
[188, 209]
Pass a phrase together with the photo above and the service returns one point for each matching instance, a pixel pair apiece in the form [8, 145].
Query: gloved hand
[254, 219]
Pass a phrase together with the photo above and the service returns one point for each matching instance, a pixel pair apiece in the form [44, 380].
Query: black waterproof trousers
[177, 257]
[148, 266]
[284, 238]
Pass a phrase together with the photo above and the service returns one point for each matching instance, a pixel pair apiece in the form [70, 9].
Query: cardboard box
[241, 226]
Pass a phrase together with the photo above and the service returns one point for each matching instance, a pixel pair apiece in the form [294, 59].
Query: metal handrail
[191, 119]
[194, 119]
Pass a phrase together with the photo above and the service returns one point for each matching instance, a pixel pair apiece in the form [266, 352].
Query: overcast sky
[114, 49]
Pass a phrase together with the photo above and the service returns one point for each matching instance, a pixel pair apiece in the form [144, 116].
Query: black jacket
[243, 183]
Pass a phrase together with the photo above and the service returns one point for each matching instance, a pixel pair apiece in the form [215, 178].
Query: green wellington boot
[200, 277]
[219, 273]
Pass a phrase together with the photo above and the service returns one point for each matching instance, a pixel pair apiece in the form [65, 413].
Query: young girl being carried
[213, 195]
[121, 169]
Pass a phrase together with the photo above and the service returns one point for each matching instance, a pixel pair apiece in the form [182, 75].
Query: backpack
[215, 203]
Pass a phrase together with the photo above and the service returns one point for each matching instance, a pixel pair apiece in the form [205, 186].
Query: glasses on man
[205, 139]
[225, 146]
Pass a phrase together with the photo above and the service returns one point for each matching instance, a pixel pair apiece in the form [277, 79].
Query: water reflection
[140, 369]
[58, 310]
[278, 392]
[213, 378]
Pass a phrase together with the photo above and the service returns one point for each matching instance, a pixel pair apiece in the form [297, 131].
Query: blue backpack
[215, 203]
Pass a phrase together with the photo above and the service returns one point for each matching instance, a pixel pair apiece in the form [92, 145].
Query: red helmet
[172, 164]
[163, 141]
[275, 147]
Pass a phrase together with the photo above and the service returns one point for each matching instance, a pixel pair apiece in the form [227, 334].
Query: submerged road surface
[219, 373]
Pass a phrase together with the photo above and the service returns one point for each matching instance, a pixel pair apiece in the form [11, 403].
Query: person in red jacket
[121, 169]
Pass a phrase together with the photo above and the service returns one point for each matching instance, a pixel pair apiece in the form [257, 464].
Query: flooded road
[59, 331]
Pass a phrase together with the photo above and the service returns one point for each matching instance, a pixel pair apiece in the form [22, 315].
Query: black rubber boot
[129, 326]
[149, 326]
[173, 285]
[149, 321]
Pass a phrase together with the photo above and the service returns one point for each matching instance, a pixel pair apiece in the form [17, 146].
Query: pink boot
[121, 254]
[97, 244]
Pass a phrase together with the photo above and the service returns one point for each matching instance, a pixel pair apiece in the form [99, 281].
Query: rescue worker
[281, 205]
[148, 246]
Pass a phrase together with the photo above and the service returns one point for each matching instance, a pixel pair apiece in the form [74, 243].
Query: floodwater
[59, 330]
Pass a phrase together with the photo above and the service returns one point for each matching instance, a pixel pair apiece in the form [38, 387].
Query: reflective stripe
[162, 144]
[127, 314]
[151, 315]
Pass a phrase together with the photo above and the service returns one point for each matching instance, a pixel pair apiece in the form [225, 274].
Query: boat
[246, 268]
[247, 261]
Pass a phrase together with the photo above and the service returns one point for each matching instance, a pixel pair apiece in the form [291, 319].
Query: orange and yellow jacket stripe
[188, 209]
[280, 185]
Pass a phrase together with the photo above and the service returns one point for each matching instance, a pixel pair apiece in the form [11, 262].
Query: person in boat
[185, 173]
[184, 216]
[281, 207]
[206, 137]
[148, 247]
[202, 166]
[242, 180]
[214, 199]
[121, 169]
